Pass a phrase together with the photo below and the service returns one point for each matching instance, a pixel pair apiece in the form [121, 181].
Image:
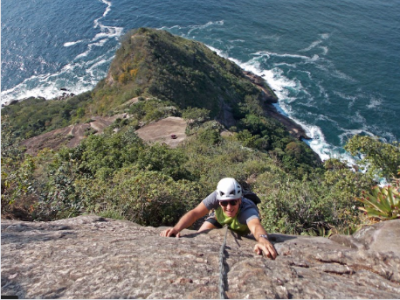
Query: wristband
[264, 236]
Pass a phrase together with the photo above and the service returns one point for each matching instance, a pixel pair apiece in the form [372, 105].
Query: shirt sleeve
[248, 212]
[211, 201]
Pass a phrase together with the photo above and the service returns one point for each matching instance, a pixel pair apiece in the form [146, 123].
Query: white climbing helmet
[228, 189]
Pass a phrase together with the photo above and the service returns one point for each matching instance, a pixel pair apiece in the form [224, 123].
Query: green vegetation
[156, 63]
[117, 175]
[382, 203]
[152, 109]
[35, 116]
[380, 158]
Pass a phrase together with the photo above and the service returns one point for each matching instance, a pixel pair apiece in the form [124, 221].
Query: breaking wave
[79, 75]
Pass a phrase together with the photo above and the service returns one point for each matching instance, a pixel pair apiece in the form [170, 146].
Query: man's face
[230, 207]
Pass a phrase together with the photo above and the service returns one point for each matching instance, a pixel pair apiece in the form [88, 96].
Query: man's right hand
[170, 232]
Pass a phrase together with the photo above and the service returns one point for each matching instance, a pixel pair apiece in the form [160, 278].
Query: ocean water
[334, 66]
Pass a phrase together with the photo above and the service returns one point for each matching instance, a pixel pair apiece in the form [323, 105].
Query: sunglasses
[231, 202]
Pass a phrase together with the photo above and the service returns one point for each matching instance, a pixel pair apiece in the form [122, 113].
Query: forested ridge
[155, 75]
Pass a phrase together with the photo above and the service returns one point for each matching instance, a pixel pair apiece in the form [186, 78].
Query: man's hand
[263, 246]
[170, 232]
[188, 219]
[267, 248]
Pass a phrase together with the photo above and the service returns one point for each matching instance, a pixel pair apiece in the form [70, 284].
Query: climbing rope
[222, 272]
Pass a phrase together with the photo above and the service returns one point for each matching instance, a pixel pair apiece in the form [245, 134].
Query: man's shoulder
[212, 196]
[247, 203]
[248, 208]
[248, 211]
[211, 200]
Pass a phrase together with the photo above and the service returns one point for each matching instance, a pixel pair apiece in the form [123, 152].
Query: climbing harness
[222, 272]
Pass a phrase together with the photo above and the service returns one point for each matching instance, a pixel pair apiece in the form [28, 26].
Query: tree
[382, 159]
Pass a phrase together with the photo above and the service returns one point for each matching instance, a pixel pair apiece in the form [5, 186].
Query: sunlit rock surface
[93, 257]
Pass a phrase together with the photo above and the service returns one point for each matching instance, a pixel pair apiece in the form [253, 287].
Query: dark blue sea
[335, 65]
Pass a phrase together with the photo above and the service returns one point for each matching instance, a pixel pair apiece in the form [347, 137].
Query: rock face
[93, 257]
[162, 130]
[69, 136]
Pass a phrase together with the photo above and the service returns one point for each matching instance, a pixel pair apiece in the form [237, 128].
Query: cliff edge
[93, 257]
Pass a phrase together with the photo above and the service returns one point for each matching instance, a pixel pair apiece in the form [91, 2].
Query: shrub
[209, 136]
[379, 158]
[295, 206]
[198, 115]
[161, 158]
[382, 203]
[152, 198]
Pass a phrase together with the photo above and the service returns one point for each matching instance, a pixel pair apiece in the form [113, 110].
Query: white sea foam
[223, 54]
[201, 27]
[330, 120]
[269, 54]
[69, 44]
[328, 67]
[294, 66]
[309, 75]
[319, 145]
[94, 68]
[43, 86]
[325, 36]
[344, 96]
[324, 50]
[106, 11]
[237, 41]
[358, 118]
[351, 99]
[283, 87]
[312, 46]
[322, 92]
[48, 85]
[374, 102]
[108, 32]
[341, 75]
[315, 57]
[83, 54]
[100, 43]
[315, 44]
[109, 4]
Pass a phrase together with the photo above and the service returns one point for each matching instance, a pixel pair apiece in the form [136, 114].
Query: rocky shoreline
[269, 98]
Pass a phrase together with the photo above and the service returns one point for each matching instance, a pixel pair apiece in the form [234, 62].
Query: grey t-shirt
[248, 210]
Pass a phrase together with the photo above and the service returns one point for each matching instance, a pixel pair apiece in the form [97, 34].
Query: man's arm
[188, 219]
[263, 245]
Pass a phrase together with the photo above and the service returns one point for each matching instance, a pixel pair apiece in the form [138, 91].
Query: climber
[230, 207]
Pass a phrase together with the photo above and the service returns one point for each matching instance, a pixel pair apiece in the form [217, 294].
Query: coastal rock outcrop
[94, 257]
[270, 111]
